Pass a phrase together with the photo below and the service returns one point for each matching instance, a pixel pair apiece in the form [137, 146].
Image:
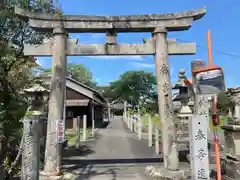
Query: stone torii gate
[159, 46]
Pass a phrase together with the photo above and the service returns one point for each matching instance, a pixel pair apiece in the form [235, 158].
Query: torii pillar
[170, 153]
[56, 99]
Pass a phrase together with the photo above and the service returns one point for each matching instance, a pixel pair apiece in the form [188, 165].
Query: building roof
[37, 88]
[96, 93]
[77, 86]
[119, 104]
[117, 101]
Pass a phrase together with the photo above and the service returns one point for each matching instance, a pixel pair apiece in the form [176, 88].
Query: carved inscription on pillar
[164, 69]
[198, 128]
[170, 153]
[30, 160]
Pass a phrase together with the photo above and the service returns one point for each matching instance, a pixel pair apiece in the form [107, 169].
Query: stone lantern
[37, 97]
[181, 123]
[38, 102]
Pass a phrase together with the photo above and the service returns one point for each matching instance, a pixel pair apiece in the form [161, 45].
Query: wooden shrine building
[80, 100]
[117, 106]
[83, 100]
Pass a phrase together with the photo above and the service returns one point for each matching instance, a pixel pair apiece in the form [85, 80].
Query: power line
[216, 50]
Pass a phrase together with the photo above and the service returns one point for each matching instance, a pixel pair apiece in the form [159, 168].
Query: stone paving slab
[115, 154]
[117, 173]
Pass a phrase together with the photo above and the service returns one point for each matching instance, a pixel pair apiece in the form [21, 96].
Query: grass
[156, 121]
[71, 135]
[144, 119]
[223, 120]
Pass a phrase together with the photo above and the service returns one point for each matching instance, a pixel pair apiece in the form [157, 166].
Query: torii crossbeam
[75, 49]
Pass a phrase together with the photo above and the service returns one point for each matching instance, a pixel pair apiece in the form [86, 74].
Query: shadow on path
[114, 161]
[104, 125]
[83, 150]
[107, 169]
[89, 172]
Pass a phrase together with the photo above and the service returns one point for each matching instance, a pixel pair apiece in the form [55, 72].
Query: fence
[153, 134]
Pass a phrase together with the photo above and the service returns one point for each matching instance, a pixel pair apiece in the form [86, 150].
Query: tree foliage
[16, 70]
[135, 87]
[80, 73]
[224, 103]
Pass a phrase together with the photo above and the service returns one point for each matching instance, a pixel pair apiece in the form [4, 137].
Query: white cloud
[172, 71]
[147, 65]
[98, 35]
[144, 65]
[135, 58]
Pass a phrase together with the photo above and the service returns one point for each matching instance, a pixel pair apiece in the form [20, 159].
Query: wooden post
[78, 132]
[65, 109]
[139, 128]
[125, 111]
[93, 121]
[156, 139]
[135, 124]
[31, 148]
[109, 112]
[150, 131]
[131, 123]
[165, 105]
[128, 121]
[84, 127]
[56, 101]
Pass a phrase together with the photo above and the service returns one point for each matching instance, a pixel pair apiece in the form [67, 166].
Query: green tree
[133, 86]
[110, 92]
[16, 70]
[224, 103]
[80, 73]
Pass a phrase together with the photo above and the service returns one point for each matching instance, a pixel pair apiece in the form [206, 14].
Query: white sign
[77, 102]
[198, 130]
[209, 74]
[60, 131]
[210, 82]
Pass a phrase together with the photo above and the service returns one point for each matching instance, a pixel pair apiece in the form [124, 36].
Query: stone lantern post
[33, 129]
[181, 123]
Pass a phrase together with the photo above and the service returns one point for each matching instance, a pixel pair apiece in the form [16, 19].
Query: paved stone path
[115, 155]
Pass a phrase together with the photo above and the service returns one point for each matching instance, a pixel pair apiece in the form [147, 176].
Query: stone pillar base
[227, 178]
[160, 173]
[2, 172]
[48, 176]
[232, 168]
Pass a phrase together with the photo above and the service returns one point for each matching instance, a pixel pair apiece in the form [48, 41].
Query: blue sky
[222, 19]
